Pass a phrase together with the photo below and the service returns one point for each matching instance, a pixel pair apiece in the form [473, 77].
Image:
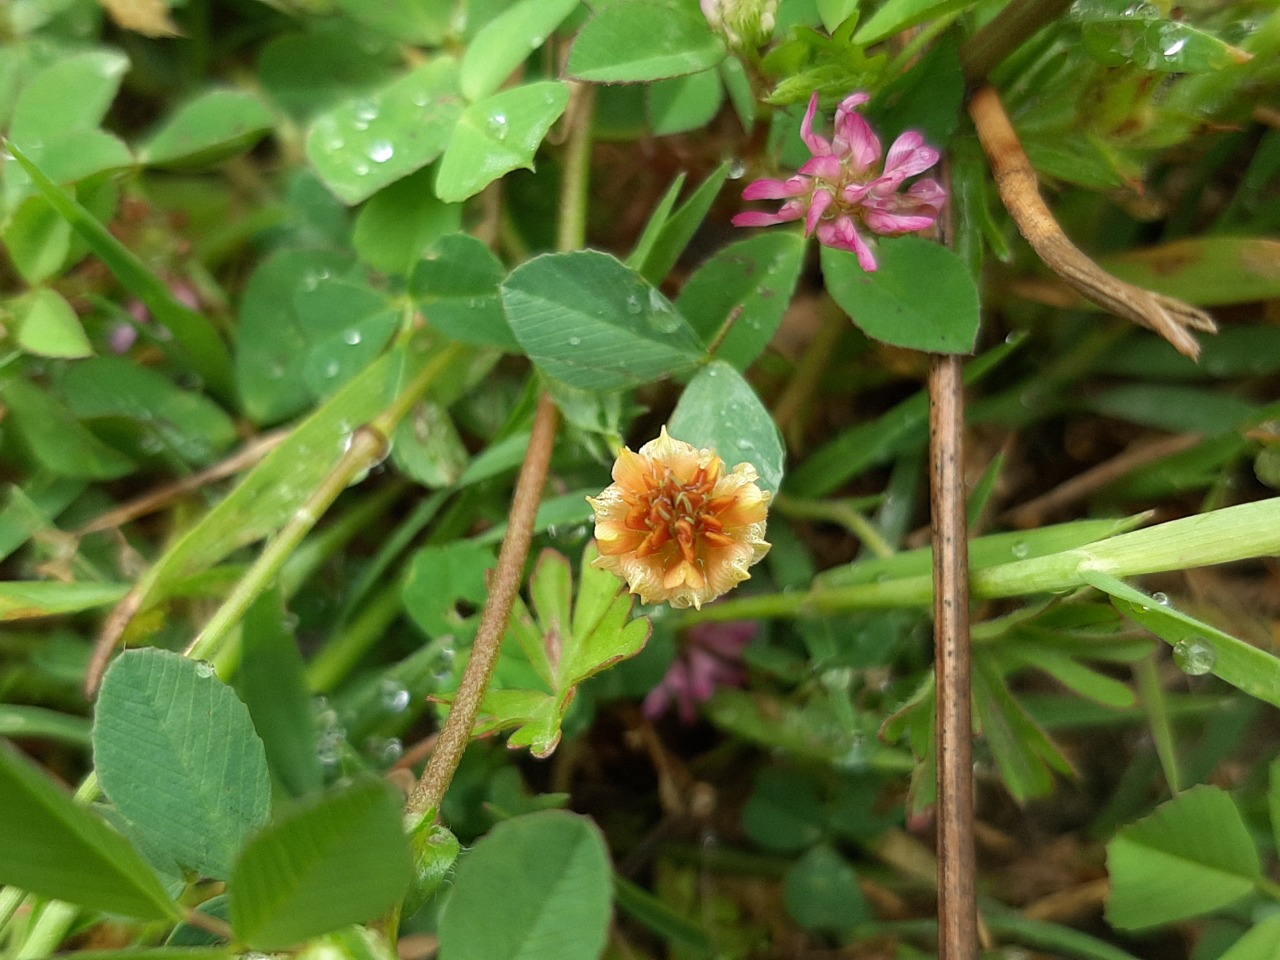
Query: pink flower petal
[818, 205]
[776, 189]
[828, 167]
[817, 145]
[855, 141]
[908, 156]
[843, 235]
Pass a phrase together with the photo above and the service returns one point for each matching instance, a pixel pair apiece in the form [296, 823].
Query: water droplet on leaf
[352, 337]
[381, 151]
[497, 126]
[394, 695]
[1194, 656]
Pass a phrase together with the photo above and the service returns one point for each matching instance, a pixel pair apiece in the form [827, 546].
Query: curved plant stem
[1016, 180]
[425, 799]
[1007, 31]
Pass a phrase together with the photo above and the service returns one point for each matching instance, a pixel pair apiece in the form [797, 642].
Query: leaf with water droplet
[368, 142]
[1124, 33]
[498, 134]
[590, 295]
[719, 410]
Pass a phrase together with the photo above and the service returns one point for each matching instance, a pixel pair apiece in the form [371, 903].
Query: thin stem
[429, 792]
[219, 928]
[48, 930]
[957, 895]
[572, 231]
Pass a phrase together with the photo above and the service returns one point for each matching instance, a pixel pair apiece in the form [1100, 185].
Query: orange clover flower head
[677, 526]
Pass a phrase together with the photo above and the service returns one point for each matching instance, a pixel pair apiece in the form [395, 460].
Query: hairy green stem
[424, 802]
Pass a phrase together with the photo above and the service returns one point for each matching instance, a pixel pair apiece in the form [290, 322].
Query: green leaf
[1023, 751]
[48, 326]
[307, 72]
[195, 342]
[177, 754]
[687, 103]
[72, 93]
[55, 847]
[347, 322]
[272, 680]
[416, 22]
[784, 813]
[836, 12]
[184, 422]
[746, 286]
[1175, 408]
[676, 231]
[1199, 647]
[498, 134]
[367, 142]
[1117, 33]
[1192, 856]
[441, 578]
[340, 859]
[212, 127]
[57, 440]
[550, 871]
[821, 892]
[23, 600]
[563, 648]
[897, 15]
[19, 722]
[1260, 943]
[38, 239]
[636, 40]
[272, 345]
[1207, 271]
[921, 297]
[400, 222]
[506, 41]
[457, 285]
[719, 410]
[1273, 799]
[586, 319]
[435, 850]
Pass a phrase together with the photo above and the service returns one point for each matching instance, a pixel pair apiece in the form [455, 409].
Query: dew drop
[575, 341]
[381, 151]
[497, 126]
[1021, 550]
[394, 695]
[744, 444]
[392, 750]
[1175, 48]
[204, 669]
[360, 169]
[331, 370]
[1161, 598]
[366, 110]
[633, 304]
[737, 168]
[337, 143]
[352, 337]
[1194, 656]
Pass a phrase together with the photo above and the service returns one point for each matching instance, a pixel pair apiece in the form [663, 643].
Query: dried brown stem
[1032, 513]
[157, 499]
[1016, 180]
[957, 904]
[456, 734]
